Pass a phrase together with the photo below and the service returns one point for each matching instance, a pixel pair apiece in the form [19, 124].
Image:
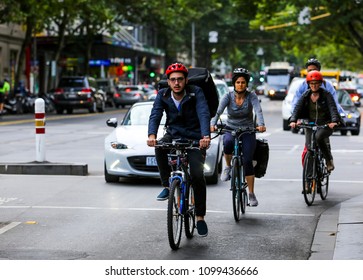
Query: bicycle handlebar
[179, 144]
[239, 131]
[312, 126]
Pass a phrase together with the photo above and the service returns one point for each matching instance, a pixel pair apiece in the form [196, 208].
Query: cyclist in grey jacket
[240, 105]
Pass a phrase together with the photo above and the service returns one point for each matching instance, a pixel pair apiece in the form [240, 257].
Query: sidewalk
[339, 233]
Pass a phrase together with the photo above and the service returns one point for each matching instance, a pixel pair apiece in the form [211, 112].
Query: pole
[193, 44]
[39, 130]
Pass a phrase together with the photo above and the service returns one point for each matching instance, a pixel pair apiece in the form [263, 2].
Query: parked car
[109, 87]
[148, 90]
[77, 92]
[286, 103]
[352, 116]
[128, 95]
[127, 154]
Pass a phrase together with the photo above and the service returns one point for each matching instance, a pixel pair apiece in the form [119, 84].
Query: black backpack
[261, 157]
[200, 77]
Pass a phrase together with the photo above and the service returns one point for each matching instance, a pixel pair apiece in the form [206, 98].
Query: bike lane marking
[8, 227]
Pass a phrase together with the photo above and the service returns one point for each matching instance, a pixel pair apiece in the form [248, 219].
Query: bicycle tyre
[236, 192]
[189, 216]
[174, 217]
[244, 200]
[324, 181]
[309, 183]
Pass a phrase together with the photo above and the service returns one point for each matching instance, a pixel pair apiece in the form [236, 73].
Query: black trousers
[322, 139]
[196, 159]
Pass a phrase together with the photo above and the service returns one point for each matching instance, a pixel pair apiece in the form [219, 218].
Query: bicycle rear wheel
[324, 181]
[236, 191]
[189, 216]
[174, 217]
[309, 182]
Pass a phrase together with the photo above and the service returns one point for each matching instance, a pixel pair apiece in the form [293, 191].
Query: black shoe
[202, 228]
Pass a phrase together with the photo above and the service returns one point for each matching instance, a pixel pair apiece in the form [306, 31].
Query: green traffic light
[152, 74]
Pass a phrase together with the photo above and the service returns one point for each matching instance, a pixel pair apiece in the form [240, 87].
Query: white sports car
[127, 154]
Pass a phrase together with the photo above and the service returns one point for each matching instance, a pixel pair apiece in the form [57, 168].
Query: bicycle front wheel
[324, 181]
[309, 180]
[189, 216]
[236, 189]
[174, 217]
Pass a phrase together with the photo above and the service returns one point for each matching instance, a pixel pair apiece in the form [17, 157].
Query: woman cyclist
[318, 106]
[240, 105]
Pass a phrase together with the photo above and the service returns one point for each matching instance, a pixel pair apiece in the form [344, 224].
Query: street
[50, 217]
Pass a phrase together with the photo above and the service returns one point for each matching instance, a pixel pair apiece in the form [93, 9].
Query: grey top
[240, 116]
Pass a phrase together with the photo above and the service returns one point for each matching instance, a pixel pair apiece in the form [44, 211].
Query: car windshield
[139, 115]
[344, 98]
[222, 89]
[71, 82]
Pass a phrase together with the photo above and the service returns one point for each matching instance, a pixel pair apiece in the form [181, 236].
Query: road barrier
[39, 130]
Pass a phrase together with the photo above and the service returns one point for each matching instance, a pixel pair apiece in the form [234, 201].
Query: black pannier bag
[200, 77]
[261, 157]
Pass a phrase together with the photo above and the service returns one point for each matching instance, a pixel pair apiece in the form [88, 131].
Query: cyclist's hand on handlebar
[261, 128]
[332, 125]
[204, 142]
[293, 124]
[151, 141]
[212, 128]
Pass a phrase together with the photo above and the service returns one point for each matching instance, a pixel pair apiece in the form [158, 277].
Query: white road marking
[146, 209]
[8, 227]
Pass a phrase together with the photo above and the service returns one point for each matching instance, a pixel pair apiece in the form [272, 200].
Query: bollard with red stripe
[39, 130]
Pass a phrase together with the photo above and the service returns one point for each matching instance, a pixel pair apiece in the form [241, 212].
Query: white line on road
[145, 209]
[8, 227]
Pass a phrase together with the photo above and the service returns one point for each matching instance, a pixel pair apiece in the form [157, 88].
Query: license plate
[151, 161]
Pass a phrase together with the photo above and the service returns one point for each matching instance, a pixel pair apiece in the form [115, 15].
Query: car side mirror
[112, 122]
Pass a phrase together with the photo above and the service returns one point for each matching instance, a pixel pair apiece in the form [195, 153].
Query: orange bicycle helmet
[314, 76]
[176, 67]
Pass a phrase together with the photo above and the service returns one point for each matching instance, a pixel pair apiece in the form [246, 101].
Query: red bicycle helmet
[314, 76]
[176, 67]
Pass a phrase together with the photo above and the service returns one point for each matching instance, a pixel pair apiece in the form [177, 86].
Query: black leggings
[322, 139]
[196, 159]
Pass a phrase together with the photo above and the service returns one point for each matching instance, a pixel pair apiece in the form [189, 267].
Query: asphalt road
[84, 218]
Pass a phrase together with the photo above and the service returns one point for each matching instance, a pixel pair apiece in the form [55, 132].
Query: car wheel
[343, 132]
[59, 111]
[110, 178]
[355, 132]
[101, 109]
[93, 108]
[69, 111]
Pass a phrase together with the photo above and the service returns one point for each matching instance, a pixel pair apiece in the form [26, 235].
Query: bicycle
[181, 204]
[315, 172]
[238, 180]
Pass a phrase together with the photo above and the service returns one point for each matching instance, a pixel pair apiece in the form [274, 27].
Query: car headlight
[118, 146]
[271, 92]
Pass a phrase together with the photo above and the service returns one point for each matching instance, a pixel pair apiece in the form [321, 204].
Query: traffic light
[152, 74]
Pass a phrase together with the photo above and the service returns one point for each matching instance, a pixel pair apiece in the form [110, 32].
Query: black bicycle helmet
[313, 61]
[240, 72]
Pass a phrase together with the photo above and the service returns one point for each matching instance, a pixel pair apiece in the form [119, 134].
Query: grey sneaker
[226, 174]
[253, 200]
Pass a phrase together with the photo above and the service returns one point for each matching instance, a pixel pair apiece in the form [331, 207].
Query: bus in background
[277, 79]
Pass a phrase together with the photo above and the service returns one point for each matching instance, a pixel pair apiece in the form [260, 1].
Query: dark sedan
[352, 116]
